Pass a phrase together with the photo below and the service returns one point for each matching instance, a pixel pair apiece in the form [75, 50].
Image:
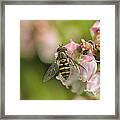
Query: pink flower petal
[93, 85]
[95, 28]
[71, 47]
[90, 68]
[88, 58]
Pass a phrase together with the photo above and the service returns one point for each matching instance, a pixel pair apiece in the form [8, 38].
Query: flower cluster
[87, 56]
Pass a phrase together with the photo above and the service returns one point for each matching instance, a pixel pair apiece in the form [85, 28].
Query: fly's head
[61, 48]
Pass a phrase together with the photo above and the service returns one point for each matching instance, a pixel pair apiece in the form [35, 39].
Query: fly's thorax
[62, 55]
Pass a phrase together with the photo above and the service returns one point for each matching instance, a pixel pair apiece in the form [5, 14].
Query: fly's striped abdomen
[64, 68]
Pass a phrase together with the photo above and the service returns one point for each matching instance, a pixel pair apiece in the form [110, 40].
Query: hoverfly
[62, 65]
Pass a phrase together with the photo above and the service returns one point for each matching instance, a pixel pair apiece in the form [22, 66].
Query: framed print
[60, 59]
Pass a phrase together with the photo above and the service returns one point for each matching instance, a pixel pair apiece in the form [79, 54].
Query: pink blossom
[95, 29]
[90, 67]
[45, 40]
[89, 74]
[93, 85]
[88, 58]
[27, 47]
[71, 48]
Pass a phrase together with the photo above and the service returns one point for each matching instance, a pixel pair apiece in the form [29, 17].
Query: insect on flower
[62, 65]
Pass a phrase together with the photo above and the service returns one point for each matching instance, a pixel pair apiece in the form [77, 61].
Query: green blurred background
[39, 40]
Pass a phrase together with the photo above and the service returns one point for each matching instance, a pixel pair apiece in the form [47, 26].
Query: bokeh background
[38, 43]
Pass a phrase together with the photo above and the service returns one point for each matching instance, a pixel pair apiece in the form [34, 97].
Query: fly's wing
[52, 70]
[76, 64]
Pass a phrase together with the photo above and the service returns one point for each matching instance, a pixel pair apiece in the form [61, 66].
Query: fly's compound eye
[65, 49]
[58, 49]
